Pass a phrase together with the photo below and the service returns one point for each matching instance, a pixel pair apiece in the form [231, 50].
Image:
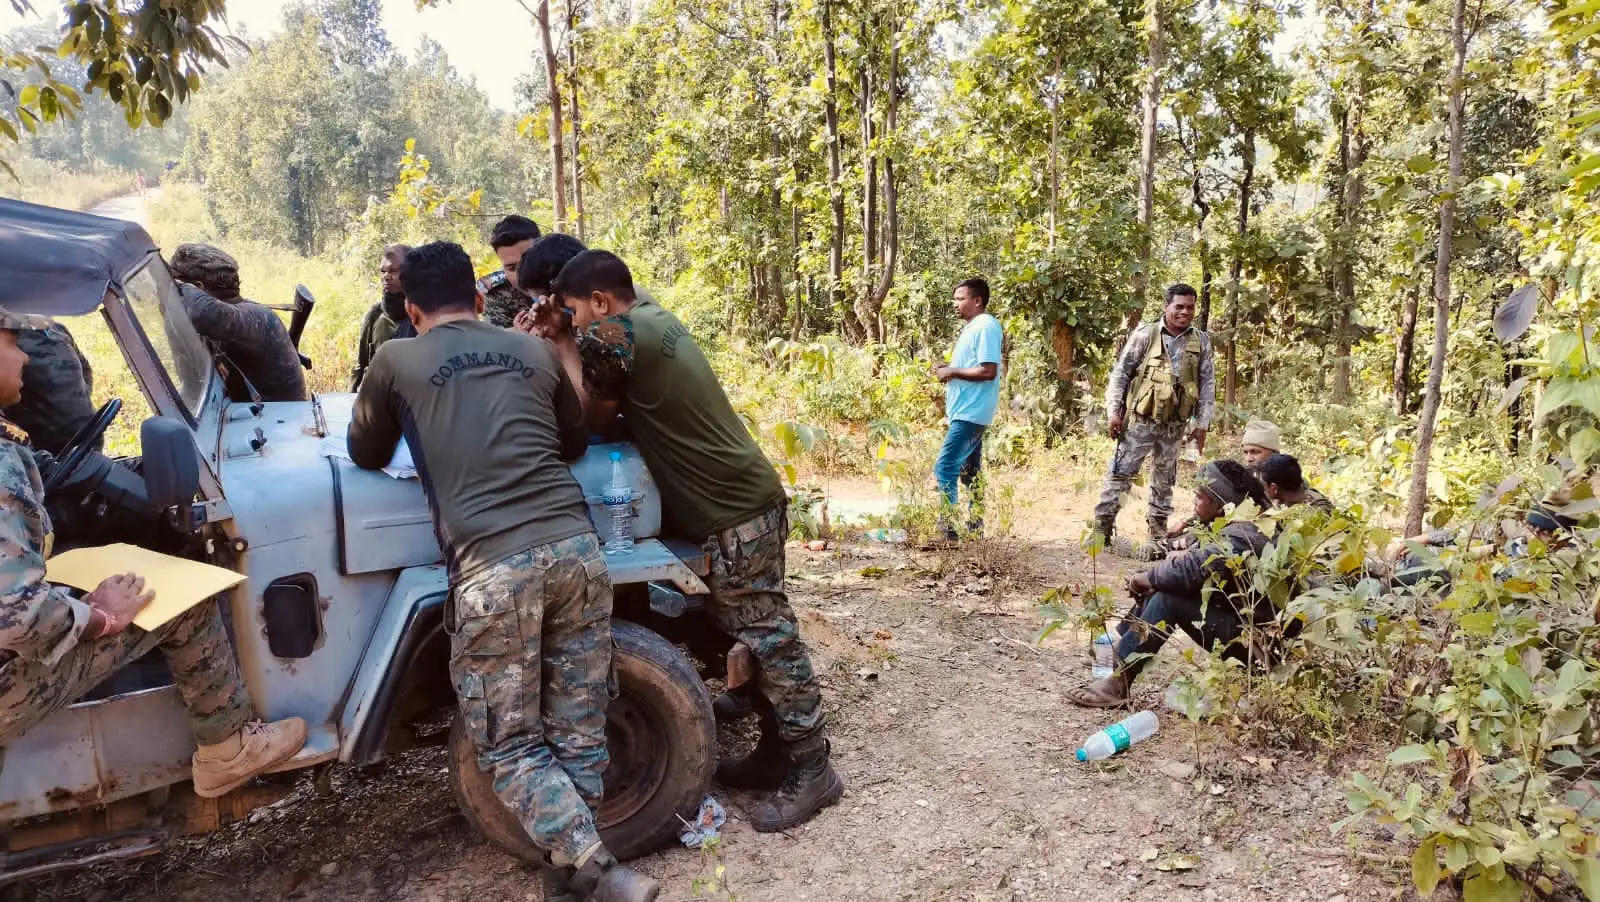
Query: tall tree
[577, 118]
[1417, 502]
[1150, 109]
[558, 140]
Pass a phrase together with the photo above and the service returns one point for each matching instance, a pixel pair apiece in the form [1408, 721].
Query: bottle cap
[616, 455]
[1083, 755]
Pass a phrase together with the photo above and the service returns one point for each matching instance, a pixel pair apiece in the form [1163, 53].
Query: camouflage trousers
[530, 658]
[1144, 438]
[195, 645]
[748, 602]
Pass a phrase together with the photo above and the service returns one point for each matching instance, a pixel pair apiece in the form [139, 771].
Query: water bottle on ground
[1117, 737]
[618, 499]
[1105, 659]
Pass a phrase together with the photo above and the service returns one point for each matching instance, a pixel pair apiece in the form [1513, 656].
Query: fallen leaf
[1149, 854]
[883, 634]
[1182, 771]
[1184, 862]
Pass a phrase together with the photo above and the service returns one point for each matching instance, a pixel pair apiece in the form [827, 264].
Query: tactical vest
[1156, 394]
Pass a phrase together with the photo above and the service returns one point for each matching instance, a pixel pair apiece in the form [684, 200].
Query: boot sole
[217, 792]
[831, 797]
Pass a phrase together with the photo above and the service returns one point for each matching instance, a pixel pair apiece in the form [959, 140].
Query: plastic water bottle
[618, 498]
[1105, 659]
[1118, 736]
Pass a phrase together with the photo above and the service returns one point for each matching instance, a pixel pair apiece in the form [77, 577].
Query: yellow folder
[179, 584]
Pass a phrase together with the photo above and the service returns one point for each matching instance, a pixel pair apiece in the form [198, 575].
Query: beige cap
[1263, 434]
[16, 322]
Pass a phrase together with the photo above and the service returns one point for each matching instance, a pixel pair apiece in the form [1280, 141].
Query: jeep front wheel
[662, 739]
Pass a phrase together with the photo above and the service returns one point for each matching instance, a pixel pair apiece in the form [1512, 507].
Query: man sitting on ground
[1196, 591]
[1286, 486]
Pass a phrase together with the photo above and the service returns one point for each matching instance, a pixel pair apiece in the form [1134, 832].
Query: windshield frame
[165, 396]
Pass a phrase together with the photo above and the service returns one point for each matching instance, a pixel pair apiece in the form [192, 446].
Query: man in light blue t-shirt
[971, 394]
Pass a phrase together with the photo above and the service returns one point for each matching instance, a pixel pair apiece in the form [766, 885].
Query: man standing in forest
[971, 394]
[1160, 392]
[493, 422]
[385, 318]
[630, 354]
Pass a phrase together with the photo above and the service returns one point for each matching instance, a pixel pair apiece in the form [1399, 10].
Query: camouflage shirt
[502, 301]
[254, 339]
[37, 621]
[56, 386]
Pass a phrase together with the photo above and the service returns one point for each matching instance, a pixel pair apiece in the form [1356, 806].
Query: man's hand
[1116, 424]
[118, 599]
[943, 371]
[1139, 585]
[1198, 433]
[545, 319]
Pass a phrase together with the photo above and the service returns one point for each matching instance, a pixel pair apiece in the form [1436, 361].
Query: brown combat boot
[766, 766]
[602, 879]
[220, 769]
[812, 785]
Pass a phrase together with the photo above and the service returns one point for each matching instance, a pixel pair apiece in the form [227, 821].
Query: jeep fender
[412, 615]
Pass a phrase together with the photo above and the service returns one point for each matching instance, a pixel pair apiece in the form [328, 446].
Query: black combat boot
[731, 706]
[602, 879]
[766, 765]
[811, 786]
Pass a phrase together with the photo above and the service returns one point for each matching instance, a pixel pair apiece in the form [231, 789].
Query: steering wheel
[81, 445]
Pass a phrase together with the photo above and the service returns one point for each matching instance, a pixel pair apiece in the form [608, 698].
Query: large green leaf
[1482, 889]
[1425, 866]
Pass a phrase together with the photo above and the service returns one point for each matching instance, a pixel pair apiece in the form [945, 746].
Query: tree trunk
[1417, 504]
[1405, 343]
[1247, 154]
[1202, 247]
[872, 318]
[830, 110]
[869, 198]
[1063, 340]
[1150, 106]
[1352, 157]
[577, 118]
[1055, 155]
[558, 143]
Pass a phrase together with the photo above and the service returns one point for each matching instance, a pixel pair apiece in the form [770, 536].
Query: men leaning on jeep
[492, 420]
[54, 647]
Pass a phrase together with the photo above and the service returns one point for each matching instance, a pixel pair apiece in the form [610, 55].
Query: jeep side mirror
[171, 467]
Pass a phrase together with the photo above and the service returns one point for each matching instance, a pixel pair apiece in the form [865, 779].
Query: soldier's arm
[37, 621]
[374, 425]
[569, 418]
[1122, 371]
[215, 319]
[1208, 385]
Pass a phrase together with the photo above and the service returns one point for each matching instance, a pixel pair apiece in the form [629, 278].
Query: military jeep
[339, 620]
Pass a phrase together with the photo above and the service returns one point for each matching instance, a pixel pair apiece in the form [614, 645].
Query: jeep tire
[663, 743]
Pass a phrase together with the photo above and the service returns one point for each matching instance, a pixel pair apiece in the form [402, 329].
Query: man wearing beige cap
[1261, 440]
[54, 647]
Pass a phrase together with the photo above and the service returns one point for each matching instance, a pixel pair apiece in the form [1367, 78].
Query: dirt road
[948, 726]
[132, 207]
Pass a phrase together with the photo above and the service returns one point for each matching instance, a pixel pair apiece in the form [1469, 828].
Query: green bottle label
[1119, 737]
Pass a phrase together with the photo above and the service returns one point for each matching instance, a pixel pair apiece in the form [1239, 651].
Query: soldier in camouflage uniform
[54, 647]
[492, 420]
[1160, 393]
[717, 488]
[251, 336]
[502, 301]
[57, 385]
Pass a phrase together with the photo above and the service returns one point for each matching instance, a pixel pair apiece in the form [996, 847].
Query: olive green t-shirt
[491, 420]
[711, 473]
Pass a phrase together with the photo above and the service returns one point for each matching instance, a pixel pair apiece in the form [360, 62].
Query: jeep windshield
[153, 300]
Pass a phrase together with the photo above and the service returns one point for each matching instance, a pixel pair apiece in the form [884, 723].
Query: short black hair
[439, 277]
[1181, 290]
[978, 287]
[512, 230]
[543, 260]
[1283, 471]
[1243, 481]
[593, 271]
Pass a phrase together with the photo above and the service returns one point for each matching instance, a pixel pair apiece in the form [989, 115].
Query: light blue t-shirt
[980, 341]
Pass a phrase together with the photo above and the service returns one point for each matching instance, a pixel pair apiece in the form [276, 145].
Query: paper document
[337, 412]
[179, 584]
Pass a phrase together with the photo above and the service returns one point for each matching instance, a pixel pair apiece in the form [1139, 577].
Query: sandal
[1096, 695]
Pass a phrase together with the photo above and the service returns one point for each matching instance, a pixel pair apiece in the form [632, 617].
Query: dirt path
[133, 207]
[948, 726]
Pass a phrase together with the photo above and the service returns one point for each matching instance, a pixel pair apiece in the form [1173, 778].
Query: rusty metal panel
[97, 752]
